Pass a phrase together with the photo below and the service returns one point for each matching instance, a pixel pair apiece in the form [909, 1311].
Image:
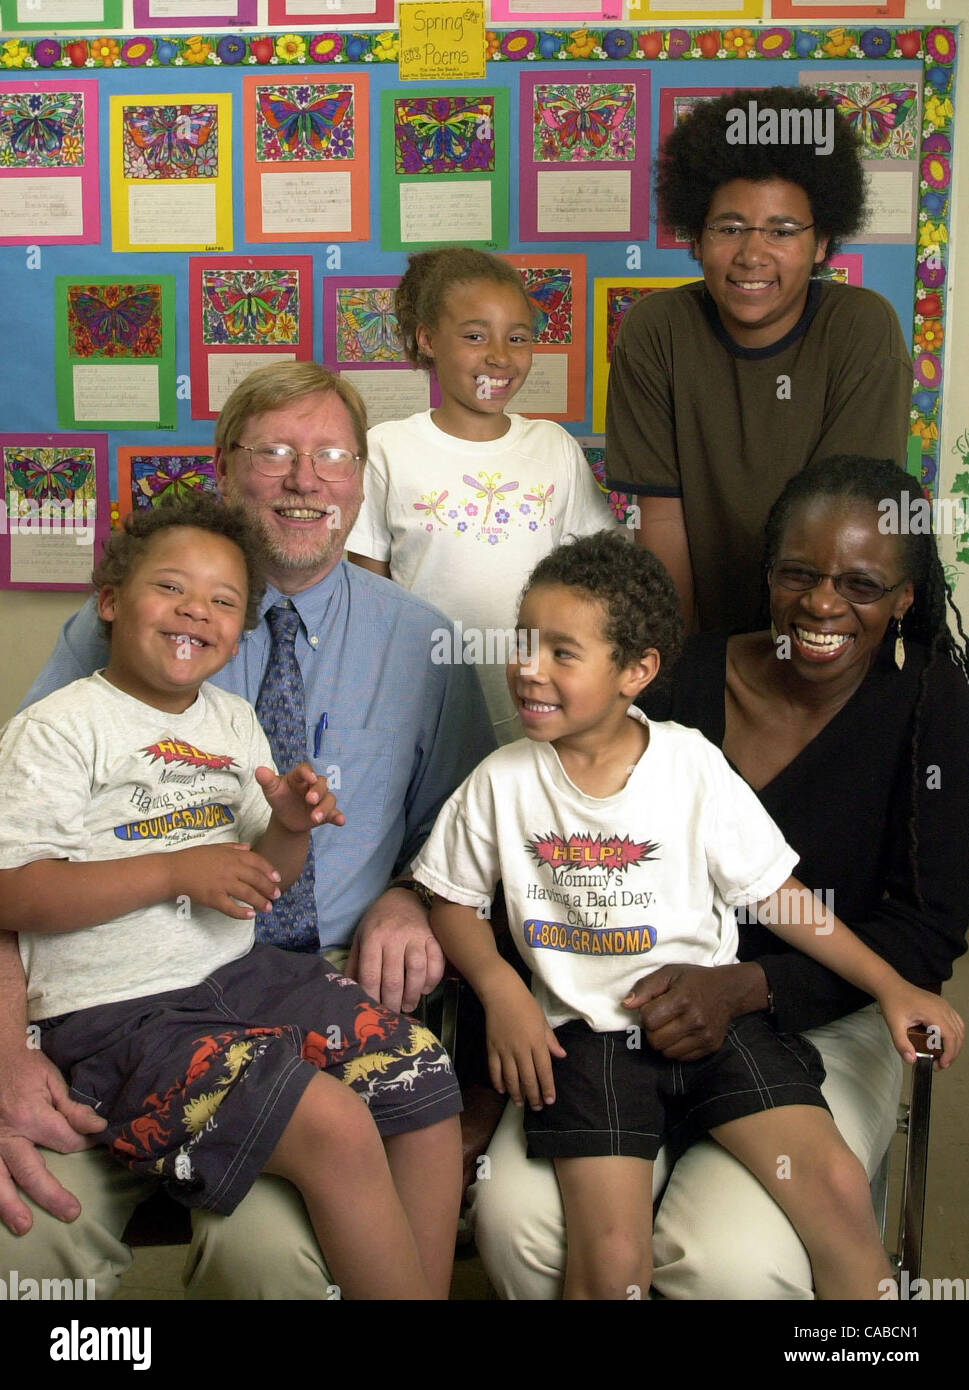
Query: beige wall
[29, 624]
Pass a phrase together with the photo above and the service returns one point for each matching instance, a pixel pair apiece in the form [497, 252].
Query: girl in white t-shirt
[462, 501]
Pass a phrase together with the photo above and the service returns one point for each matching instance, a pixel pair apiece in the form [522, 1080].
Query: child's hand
[908, 1007]
[215, 875]
[520, 1048]
[300, 800]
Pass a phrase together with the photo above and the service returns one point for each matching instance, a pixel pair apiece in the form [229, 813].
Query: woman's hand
[520, 1046]
[906, 1007]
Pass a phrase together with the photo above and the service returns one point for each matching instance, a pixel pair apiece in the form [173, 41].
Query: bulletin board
[178, 208]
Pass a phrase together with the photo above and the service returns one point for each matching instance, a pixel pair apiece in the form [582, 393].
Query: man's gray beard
[294, 559]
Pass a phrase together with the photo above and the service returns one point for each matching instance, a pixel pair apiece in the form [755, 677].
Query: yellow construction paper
[719, 13]
[171, 172]
[441, 40]
[600, 341]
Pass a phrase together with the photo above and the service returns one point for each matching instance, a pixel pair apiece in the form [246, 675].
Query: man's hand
[300, 799]
[395, 956]
[685, 1010]
[35, 1109]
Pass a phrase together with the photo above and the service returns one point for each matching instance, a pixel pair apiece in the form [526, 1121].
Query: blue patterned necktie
[281, 710]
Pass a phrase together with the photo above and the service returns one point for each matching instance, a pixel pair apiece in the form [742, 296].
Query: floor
[155, 1272]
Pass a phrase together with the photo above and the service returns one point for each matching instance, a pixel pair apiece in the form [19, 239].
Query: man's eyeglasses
[275, 461]
[784, 234]
[853, 585]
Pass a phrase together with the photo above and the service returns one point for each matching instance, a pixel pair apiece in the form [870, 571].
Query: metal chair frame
[913, 1122]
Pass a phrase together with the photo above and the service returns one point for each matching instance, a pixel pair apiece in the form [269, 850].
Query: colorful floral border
[935, 47]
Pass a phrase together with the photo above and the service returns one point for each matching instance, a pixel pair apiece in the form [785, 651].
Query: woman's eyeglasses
[853, 585]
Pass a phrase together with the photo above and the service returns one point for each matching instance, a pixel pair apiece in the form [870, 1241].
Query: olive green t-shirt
[692, 414]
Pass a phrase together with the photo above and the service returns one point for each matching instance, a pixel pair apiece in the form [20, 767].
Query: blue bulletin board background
[900, 272]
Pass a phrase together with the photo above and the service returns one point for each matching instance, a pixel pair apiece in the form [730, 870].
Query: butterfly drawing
[248, 305]
[585, 117]
[618, 303]
[875, 115]
[43, 474]
[304, 124]
[444, 133]
[34, 125]
[172, 141]
[550, 291]
[154, 476]
[367, 328]
[113, 318]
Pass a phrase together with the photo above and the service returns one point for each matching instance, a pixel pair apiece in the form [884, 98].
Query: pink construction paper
[144, 19]
[505, 12]
[529, 167]
[87, 170]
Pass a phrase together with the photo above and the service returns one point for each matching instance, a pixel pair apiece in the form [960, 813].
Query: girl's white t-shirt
[463, 523]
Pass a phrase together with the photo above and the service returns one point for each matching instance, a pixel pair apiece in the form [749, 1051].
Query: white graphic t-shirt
[92, 774]
[463, 523]
[601, 891]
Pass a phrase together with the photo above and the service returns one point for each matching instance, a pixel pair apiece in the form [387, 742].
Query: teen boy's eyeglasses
[853, 585]
[732, 233]
[275, 461]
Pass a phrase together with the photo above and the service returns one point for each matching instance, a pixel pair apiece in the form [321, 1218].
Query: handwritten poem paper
[546, 389]
[51, 559]
[163, 215]
[318, 9]
[391, 395]
[306, 203]
[891, 206]
[60, 11]
[41, 207]
[228, 369]
[189, 9]
[441, 40]
[594, 201]
[446, 210]
[116, 393]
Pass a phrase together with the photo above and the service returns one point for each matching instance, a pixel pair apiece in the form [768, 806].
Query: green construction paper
[391, 180]
[913, 456]
[66, 358]
[113, 19]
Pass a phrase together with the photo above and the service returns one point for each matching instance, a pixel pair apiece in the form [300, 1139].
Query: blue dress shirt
[400, 733]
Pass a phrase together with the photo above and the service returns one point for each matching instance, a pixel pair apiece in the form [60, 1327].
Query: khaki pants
[718, 1235]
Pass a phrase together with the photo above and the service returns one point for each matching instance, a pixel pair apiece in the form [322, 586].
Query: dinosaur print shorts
[198, 1084]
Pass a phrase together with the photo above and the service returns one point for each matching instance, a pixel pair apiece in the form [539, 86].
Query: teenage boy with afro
[723, 389]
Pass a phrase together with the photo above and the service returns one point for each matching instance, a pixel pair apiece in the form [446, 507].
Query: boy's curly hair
[123, 549]
[638, 595]
[695, 160]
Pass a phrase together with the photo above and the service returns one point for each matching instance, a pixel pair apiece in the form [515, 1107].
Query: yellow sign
[441, 40]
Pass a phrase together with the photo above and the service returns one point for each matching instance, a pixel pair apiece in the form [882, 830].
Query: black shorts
[198, 1084]
[616, 1099]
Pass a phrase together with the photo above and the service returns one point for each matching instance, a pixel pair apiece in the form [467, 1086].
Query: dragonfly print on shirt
[489, 511]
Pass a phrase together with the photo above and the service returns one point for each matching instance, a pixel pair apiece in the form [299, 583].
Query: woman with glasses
[722, 389]
[849, 717]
